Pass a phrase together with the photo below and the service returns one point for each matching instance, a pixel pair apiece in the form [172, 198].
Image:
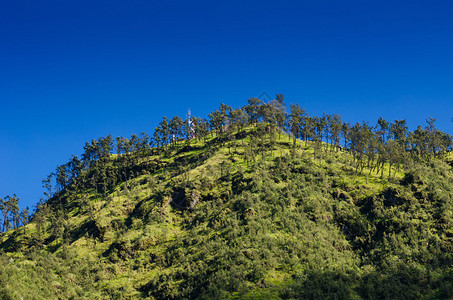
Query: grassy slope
[277, 232]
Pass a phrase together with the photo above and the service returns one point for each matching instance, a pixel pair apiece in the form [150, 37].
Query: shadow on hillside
[88, 228]
[11, 244]
[405, 282]
[402, 282]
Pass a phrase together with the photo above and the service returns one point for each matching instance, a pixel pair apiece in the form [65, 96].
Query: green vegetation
[253, 203]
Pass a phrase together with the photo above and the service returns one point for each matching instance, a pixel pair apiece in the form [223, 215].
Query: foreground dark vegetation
[252, 203]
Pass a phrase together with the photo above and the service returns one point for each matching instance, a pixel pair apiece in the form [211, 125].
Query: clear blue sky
[71, 71]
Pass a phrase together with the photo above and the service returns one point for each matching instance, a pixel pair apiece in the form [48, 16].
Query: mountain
[240, 212]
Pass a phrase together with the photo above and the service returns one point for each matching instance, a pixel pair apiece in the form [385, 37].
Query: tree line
[107, 161]
[11, 217]
[369, 146]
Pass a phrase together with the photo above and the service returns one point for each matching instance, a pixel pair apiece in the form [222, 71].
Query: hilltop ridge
[255, 206]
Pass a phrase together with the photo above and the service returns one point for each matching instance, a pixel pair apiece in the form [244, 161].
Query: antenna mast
[191, 126]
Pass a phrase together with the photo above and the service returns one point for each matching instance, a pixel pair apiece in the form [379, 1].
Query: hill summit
[252, 203]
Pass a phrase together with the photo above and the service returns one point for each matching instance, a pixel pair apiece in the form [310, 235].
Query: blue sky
[71, 71]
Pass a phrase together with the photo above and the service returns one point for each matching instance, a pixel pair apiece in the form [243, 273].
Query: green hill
[242, 212]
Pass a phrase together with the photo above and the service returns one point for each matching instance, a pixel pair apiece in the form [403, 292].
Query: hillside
[244, 213]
